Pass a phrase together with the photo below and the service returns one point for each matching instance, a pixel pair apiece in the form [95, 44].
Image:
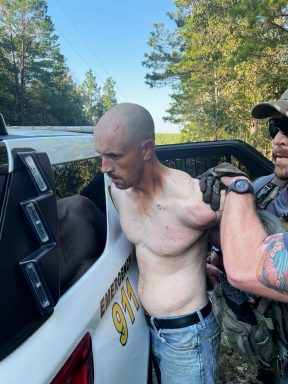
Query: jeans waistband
[180, 322]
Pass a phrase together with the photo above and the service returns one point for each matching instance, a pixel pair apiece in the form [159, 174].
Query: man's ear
[148, 149]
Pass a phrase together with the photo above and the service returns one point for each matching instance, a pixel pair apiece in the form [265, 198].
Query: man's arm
[253, 261]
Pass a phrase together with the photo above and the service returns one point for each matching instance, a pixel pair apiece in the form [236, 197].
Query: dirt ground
[233, 369]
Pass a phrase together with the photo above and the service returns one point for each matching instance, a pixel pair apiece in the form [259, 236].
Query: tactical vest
[256, 328]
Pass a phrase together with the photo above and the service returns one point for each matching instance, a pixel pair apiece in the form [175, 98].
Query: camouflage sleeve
[272, 270]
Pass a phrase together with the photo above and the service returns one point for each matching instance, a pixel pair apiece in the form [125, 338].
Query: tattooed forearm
[272, 270]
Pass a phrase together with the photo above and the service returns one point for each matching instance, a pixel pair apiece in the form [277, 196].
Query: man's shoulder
[181, 176]
[183, 182]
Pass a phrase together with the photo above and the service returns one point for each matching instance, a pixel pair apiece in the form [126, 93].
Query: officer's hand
[211, 184]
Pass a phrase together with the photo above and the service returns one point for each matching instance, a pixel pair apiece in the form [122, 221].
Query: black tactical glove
[211, 185]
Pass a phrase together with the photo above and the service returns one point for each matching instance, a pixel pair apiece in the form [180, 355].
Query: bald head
[133, 121]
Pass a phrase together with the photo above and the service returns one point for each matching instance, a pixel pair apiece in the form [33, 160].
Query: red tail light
[79, 368]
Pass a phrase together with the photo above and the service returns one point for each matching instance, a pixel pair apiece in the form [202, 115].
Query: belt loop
[201, 318]
[160, 336]
[199, 313]
[152, 323]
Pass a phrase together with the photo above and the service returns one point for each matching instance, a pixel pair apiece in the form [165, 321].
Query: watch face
[242, 185]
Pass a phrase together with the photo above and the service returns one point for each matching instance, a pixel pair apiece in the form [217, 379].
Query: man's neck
[151, 182]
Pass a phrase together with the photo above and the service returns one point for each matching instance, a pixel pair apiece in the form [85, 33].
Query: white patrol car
[86, 325]
[91, 331]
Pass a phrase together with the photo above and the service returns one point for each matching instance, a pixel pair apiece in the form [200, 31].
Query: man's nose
[106, 165]
[280, 138]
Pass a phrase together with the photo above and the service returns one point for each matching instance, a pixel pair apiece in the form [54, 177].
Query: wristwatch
[241, 186]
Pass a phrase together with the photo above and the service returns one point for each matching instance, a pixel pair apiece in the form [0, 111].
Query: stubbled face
[280, 155]
[123, 162]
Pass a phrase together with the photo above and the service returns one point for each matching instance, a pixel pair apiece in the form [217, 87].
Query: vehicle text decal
[106, 299]
[119, 319]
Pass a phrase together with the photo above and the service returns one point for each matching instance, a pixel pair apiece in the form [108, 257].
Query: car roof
[61, 146]
[45, 131]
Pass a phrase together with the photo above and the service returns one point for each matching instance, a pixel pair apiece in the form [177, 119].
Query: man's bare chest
[159, 228]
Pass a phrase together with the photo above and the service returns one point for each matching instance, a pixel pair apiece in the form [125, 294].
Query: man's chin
[281, 172]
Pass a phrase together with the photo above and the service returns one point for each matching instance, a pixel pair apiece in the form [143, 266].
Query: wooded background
[220, 59]
[36, 86]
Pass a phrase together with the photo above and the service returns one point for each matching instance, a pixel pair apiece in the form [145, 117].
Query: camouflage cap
[269, 108]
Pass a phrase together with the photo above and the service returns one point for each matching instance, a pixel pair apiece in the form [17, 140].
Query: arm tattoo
[272, 270]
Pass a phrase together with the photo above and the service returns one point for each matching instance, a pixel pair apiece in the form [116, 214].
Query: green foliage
[36, 87]
[167, 138]
[94, 100]
[221, 58]
[72, 178]
[108, 95]
[89, 93]
[28, 46]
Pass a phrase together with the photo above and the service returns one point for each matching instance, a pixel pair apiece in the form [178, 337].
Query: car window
[81, 211]
[72, 177]
[196, 165]
[195, 158]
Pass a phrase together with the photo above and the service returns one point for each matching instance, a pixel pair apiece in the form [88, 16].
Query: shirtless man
[162, 213]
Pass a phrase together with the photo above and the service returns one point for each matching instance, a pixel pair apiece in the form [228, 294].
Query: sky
[111, 37]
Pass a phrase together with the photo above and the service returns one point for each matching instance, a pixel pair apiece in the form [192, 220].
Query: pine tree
[108, 94]
[36, 75]
[221, 58]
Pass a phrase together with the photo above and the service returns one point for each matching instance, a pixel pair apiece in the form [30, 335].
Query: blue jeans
[189, 354]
